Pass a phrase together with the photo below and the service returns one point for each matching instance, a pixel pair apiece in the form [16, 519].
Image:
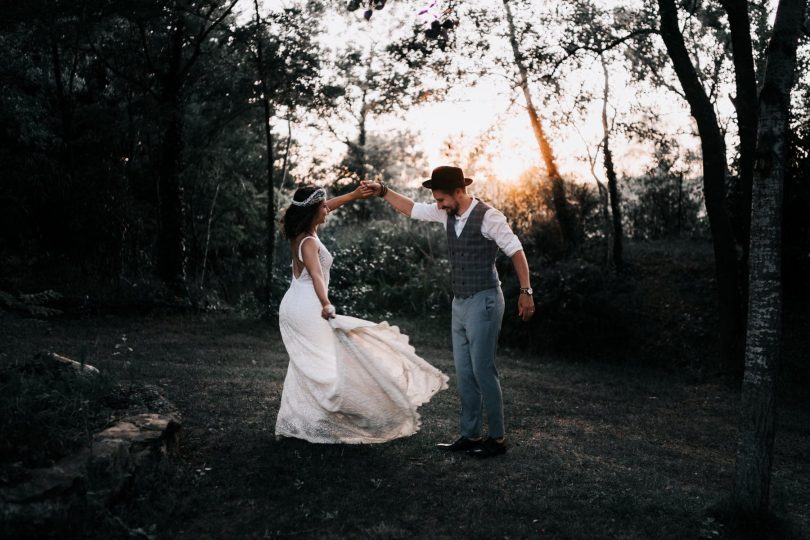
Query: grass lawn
[597, 450]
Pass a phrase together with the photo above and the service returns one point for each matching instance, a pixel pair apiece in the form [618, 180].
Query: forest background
[148, 149]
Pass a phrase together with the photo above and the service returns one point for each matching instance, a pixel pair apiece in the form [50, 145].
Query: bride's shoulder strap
[301, 246]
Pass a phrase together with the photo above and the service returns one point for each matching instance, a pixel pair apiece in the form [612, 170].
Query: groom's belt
[466, 296]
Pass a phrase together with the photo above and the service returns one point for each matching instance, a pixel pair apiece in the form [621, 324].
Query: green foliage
[529, 208]
[83, 139]
[665, 201]
[579, 311]
[387, 268]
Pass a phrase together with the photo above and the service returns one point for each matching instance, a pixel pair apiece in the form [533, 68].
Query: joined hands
[367, 189]
[375, 187]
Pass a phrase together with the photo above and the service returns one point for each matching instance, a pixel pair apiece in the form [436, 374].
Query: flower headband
[315, 197]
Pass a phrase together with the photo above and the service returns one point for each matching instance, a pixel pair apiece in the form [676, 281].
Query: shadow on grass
[597, 451]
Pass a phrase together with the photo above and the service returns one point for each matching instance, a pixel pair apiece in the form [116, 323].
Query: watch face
[529, 290]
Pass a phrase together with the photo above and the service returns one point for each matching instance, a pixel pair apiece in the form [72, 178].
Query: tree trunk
[714, 175]
[360, 148]
[763, 343]
[680, 205]
[286, 160]
[208, 235]
[608, 228]
[745, 103]
[610, 172]
[65, 110]
[562, 209]
[270, 215]
[171, 239]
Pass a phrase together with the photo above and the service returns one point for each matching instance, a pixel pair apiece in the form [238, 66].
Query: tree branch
[121, 74]
[146, 47]
[204, 34]
[571, 52]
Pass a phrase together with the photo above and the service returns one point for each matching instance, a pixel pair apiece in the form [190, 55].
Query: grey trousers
[476, 325]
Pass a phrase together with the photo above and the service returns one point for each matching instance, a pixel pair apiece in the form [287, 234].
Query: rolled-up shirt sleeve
[495, 228]
[428, 212]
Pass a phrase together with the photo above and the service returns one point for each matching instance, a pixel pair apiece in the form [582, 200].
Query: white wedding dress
[349, 380]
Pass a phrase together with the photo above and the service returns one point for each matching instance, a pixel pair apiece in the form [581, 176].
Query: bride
[348, 380]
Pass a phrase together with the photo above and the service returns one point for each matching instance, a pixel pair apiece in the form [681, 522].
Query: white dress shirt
[494, 226]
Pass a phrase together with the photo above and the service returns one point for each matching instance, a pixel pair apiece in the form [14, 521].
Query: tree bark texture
[172, 254]
[270, 214]
[562, 209]
[714, 176]
[171, 237]
[360, 148]
[745, 103]
[610, 172]
[606, 220]
[763, 343]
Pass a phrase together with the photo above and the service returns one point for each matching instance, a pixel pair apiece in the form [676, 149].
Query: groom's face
[447, 201]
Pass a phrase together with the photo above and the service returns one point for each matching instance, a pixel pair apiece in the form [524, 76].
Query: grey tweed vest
[472, 257]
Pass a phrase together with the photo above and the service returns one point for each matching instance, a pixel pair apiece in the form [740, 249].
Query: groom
[475, 233]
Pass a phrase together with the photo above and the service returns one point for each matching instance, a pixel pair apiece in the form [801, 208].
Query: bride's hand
[328, 312]
[375, 187]
[365, 190]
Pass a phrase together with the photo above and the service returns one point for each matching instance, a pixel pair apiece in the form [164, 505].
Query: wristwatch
[526, 290]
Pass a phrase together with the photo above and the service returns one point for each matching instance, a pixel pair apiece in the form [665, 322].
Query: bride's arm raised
[362, 192]
[401, 203]
[313, 265]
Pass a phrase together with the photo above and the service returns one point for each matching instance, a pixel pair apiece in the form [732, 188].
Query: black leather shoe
[463, 443]
[489, 447]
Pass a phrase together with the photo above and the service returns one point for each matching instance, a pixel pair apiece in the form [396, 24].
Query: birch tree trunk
[562, 209]
[763, 343]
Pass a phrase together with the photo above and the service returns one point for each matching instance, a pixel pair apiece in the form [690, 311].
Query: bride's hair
[297, 219]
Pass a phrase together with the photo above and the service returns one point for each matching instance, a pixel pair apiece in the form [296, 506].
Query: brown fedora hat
[446, 177]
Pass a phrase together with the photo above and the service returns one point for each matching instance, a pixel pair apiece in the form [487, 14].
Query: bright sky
[469, 112]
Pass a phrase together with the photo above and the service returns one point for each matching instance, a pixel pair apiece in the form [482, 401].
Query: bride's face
[320, 217]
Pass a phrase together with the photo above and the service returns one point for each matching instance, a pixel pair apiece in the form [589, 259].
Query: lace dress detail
[348, 380]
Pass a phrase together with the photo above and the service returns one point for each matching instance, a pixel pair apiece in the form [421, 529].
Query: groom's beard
[452, 211]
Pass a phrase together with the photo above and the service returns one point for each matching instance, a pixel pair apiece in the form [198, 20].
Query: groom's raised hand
[375, 187]
[364, 191]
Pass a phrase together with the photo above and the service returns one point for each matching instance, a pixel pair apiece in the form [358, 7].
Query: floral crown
[314, 198]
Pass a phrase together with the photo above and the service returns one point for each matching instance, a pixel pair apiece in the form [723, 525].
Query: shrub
[389, 267]
[48, 412]
[578, 310]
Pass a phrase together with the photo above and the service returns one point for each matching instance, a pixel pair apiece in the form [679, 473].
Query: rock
[151, 432]
[47, 494]
[96, 474]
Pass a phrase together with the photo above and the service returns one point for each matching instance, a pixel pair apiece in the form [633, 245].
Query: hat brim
[430, 185]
